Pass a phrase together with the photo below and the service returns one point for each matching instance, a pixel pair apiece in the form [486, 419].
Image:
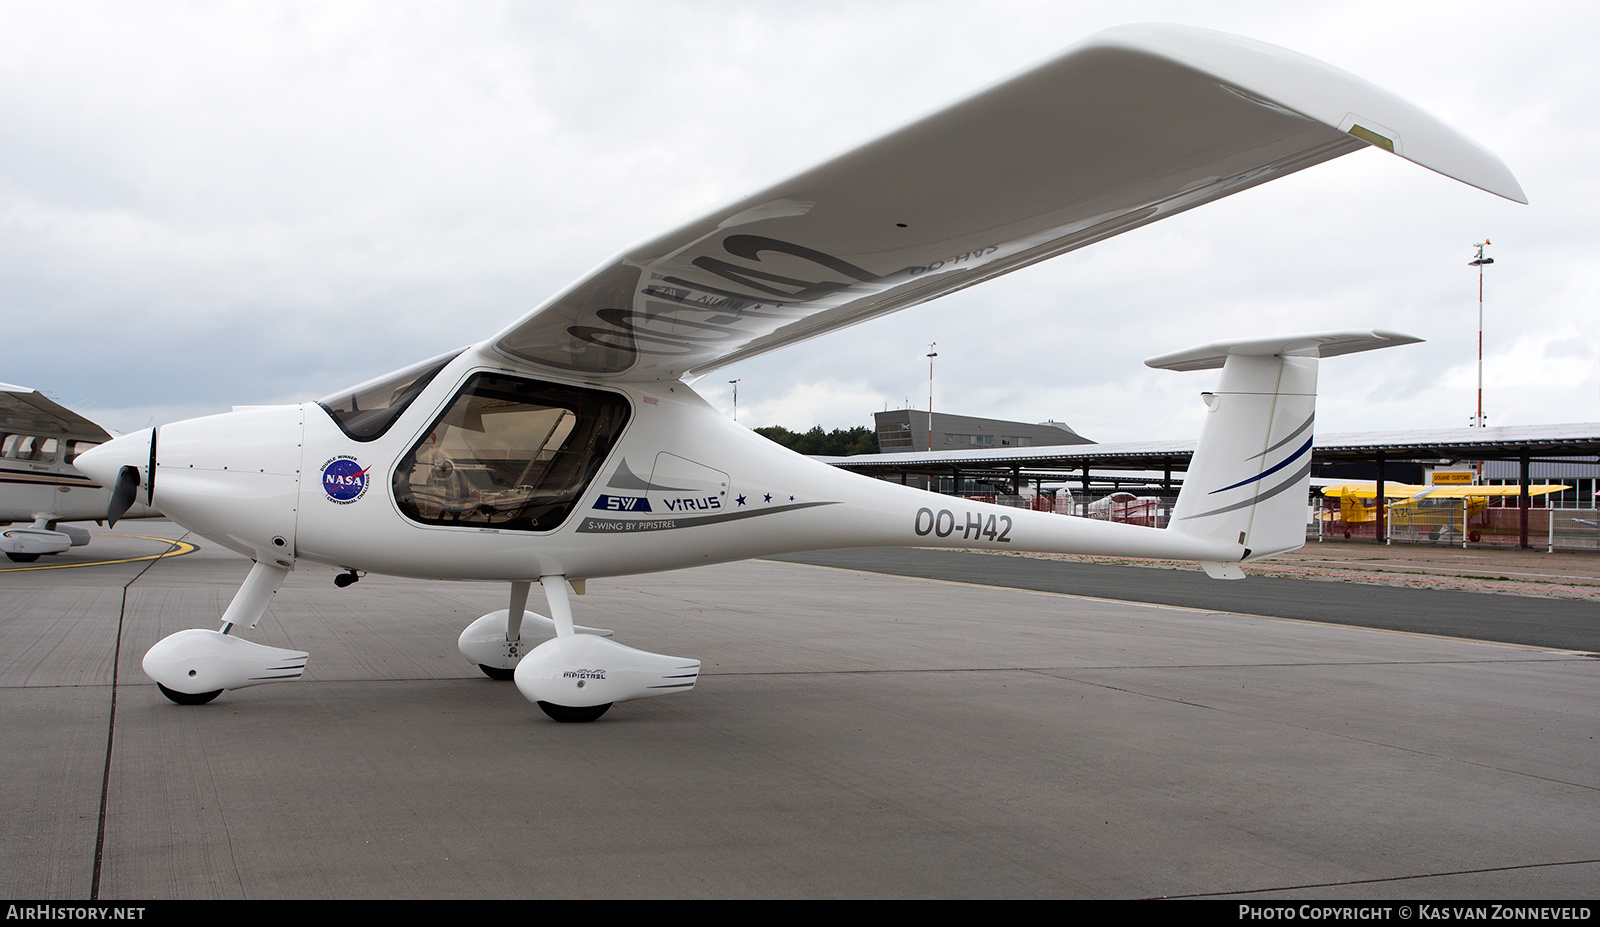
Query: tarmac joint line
[1386, 879]
[176, 548]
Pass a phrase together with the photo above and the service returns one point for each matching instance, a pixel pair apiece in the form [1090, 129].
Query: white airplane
[569, 446]
[39, 441]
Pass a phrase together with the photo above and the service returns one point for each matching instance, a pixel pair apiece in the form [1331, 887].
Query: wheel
[498, 674]
[22, 558]
[567, 715]
[184, 698]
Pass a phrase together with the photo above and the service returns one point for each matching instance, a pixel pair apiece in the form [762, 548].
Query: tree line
[835, 443]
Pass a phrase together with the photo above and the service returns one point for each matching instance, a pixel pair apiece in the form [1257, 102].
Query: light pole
[931, 355]
[736, 398]
[1478, 421]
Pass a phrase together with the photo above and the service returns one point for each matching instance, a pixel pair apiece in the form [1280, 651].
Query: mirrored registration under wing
[1133, 125]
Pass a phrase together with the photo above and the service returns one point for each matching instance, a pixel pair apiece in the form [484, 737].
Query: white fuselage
[682, 486]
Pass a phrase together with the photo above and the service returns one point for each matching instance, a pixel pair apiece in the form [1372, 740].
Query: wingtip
[1516, 197]
[1328, 94]
[1475, 166]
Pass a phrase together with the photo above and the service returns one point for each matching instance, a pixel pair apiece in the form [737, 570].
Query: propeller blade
[122, 495]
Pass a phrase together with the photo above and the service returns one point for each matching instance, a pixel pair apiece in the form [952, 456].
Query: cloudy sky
[204, 205]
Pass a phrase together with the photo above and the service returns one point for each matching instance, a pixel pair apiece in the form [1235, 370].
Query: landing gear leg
[519, 603]
[252, 599]
[555, 592]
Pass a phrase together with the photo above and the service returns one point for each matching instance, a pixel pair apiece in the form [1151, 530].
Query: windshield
[509, 453]
[365, 412]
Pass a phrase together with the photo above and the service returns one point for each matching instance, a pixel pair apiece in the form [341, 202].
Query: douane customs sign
[344, 479]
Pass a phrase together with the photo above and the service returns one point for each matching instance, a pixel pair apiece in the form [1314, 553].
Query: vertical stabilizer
[1251, 472]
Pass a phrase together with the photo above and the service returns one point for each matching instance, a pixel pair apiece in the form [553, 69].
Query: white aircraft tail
[1251, 470]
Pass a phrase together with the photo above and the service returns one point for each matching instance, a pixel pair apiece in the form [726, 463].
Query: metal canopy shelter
[1522, 443]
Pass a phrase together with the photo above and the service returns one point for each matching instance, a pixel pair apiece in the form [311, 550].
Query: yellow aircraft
[1419, 506]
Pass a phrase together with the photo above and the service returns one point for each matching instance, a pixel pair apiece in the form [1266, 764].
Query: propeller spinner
[126, 453]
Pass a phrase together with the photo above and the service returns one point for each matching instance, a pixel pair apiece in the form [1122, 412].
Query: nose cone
[104, 463]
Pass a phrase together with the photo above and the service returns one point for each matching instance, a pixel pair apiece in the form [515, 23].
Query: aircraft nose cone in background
[233, 478]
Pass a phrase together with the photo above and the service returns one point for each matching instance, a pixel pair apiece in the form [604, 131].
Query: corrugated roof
[1504, 443]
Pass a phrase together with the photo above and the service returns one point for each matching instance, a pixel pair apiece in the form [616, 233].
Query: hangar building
[903, 430]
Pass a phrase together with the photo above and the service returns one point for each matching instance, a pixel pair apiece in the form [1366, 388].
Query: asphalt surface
[853, 735]
[1529, 620]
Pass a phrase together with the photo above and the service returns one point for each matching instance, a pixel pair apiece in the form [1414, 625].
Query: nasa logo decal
[344, 479]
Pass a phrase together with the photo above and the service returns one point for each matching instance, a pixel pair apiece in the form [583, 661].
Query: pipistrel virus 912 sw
[569, 446]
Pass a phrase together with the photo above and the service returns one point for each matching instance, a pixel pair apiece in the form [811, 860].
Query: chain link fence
[1459, 523]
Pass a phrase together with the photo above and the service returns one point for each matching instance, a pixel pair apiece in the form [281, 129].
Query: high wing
[1418, 493]
[28, 411]
[1135, 124]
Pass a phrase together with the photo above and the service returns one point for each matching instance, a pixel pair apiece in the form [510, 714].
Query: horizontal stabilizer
[1322, 344]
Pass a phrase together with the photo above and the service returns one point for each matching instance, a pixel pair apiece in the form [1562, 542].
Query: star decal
[740, 500]
[768, 497]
